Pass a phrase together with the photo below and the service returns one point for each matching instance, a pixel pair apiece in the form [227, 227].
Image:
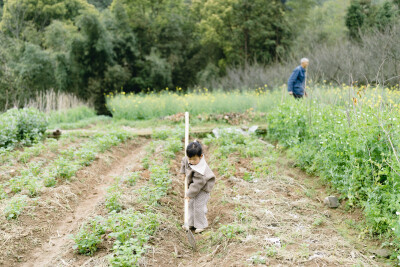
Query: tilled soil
[39, 236]
[282, 217]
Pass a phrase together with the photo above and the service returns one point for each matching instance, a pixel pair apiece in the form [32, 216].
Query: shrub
[31, 124]
[21, 125]
[8, 130]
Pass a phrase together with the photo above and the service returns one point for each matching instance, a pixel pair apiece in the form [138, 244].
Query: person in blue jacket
[297, 81]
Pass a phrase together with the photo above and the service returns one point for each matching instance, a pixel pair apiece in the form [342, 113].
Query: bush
[8, 130]
[21, 125]
[31, 123]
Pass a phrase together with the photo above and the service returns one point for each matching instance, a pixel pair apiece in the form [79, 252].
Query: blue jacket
[296, 82]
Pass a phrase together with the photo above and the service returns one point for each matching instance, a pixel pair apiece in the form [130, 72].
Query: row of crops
[28, 181]
[355, 149]
[130, 228]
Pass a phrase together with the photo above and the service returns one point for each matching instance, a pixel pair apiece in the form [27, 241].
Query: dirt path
[89, 192]
[279, 220]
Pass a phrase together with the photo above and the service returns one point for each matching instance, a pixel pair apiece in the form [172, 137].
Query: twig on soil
[87, 262]
[56, 202]
[215, 251]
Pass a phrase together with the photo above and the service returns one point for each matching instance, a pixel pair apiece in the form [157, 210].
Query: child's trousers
[198, 210]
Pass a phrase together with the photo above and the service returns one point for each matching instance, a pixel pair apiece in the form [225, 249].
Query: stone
[381, 252]
[242, 170]
[233, 179]
[274, 241]
[331, 202]
[253, 129]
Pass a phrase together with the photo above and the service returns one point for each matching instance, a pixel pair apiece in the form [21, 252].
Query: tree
[163, 32]
[35, 69]
[40, 13]
[243, 30]
[355, 19]
[385, 16]
[100, 4]
[91, 55]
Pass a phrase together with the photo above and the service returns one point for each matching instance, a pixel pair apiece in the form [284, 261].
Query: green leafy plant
[33, 186]
[113, 198]
[227, 232]
[258, 258]
[65, 168]
[15, 206]
[248, 177]
[126, 254]
[89, 236]
[132, 178]
[31, 124]
[49, 180]
[3, 193]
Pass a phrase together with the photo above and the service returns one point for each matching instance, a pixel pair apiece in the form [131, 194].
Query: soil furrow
[62, 210]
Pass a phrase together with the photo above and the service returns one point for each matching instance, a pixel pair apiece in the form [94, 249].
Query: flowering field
[350, 137]
[155, 105]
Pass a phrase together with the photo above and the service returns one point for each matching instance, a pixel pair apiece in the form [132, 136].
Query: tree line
[90, 48]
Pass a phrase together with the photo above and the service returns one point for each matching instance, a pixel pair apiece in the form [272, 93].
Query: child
[201, 180]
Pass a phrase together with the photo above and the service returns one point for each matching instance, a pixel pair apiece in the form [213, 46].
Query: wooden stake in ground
[305, 83]
[190, 236]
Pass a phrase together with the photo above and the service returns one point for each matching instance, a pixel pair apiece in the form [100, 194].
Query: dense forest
[90, 48]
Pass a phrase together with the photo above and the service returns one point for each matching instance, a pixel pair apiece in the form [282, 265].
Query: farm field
[108, 192]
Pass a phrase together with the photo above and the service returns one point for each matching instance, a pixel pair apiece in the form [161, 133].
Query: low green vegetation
[353, 146]
[234, 143]
[71, 115]
[25, 126]
[37, 174]
[75, 118]
[148, 106]
[15, 206]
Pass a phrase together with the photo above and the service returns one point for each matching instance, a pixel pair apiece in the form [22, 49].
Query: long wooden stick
[305, 83]
[186, 180]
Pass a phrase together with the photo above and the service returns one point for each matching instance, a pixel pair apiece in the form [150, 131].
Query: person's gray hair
[304, 59]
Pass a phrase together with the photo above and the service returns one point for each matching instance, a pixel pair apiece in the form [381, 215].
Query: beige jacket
[200, 177]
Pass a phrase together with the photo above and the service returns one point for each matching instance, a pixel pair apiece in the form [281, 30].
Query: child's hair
[194, 149]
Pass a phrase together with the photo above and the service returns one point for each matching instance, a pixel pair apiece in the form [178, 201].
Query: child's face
[195, 160]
